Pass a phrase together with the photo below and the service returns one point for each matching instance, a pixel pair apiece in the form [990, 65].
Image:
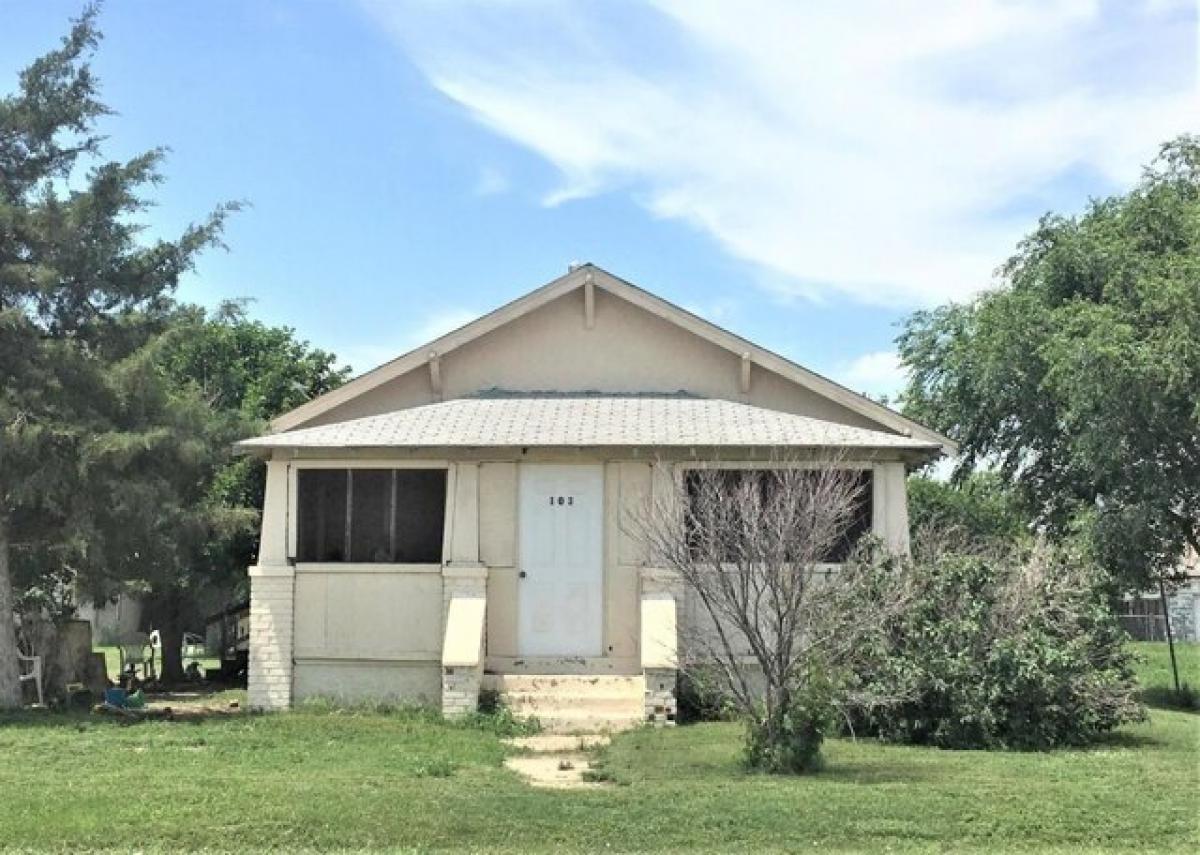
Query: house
[450, 522]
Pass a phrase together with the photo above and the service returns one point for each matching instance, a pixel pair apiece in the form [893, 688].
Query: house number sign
[562, 500]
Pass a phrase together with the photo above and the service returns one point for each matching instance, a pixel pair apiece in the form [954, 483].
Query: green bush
[1018, 651]
[788, 738]
[698, 698]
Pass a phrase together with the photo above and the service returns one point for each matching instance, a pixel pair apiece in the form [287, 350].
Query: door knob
[521, 574]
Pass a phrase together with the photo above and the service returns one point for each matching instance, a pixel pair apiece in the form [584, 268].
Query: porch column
[272, 601]
[889, 505]
[661, 598]
[464, 598]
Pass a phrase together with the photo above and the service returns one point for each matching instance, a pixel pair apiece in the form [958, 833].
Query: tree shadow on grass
[191, 707]
[1187, 700]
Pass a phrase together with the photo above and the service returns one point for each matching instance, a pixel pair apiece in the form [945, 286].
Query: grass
[1158, 682]
[368, 779]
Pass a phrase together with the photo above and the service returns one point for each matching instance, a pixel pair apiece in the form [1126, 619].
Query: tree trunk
[170, 634]
[10, 683]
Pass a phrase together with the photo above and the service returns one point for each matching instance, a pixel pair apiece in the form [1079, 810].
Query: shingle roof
[586, 420]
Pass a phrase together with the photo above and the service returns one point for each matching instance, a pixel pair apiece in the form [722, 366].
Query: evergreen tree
[96, 448]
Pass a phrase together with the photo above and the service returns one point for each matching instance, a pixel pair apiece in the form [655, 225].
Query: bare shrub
[755, 549]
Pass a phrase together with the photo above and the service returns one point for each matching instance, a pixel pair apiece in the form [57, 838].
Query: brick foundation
[272, 630]
[661, 706]
[662, 598]
[461, 677]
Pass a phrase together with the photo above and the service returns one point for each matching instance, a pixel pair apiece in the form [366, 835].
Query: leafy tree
[981, 510]
[245, 373]
[1080, 378]
[95, 447]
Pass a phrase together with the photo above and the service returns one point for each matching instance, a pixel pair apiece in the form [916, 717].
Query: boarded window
[860, 523]
[371, 515]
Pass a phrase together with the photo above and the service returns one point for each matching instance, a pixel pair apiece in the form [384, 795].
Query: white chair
[194, 646]
[34, 673]
[137, 651]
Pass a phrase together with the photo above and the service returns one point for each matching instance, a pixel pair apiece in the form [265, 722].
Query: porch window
[370, 516]
[860, 523]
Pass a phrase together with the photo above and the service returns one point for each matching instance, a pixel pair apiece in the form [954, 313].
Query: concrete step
[567, 685]
[573, 703]
[535, 704]
[579, 721]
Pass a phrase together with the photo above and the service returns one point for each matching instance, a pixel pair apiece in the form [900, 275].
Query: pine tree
[96, 449]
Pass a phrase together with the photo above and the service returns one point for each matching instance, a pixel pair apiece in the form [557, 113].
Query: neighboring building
[1144, 618]
[451, 520]
[112, 620]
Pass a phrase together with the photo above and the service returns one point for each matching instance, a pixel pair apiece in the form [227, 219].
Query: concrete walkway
[556, 762]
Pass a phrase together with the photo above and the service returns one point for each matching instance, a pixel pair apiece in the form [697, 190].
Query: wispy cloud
[362, 357]
[438, 324]
[878, 374]
[719, 310]
[893, 152]
[491, 182]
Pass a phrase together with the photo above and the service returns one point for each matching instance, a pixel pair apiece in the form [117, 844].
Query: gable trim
[590, 276]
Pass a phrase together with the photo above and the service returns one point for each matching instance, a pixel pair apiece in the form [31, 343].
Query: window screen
[322, 514]
[371, 515]
[859, 525]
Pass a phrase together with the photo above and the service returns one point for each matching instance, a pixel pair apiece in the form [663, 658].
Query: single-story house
[450, 522]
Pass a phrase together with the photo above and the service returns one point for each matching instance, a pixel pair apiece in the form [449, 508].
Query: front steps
[573, 703]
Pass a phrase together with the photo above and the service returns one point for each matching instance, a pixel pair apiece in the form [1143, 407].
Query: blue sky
[803, 174]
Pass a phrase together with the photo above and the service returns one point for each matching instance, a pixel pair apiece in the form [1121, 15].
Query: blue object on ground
[115, 697]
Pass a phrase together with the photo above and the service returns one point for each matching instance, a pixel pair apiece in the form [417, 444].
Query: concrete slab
[549, 743]
[554, 771]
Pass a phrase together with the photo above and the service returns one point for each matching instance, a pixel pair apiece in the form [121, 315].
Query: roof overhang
[591, 421]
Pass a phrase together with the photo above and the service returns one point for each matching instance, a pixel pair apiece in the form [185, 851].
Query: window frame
[293, 512]
[875, 499]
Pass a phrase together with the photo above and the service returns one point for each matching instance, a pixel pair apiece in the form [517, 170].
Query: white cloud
[876, 374]
[362, 357]
[893, 152]
[718, 310]
[438, 324]
[491, 182]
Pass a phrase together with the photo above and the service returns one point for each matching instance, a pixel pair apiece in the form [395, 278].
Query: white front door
[561, 578]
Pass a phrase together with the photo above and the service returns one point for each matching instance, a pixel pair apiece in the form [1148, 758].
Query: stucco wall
[627, 350]
[368, 631]
[368, 612]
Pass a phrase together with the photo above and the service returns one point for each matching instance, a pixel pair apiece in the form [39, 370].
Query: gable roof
[591, 275]
[567, 421]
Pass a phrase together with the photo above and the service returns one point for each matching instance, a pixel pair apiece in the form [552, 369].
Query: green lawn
[1155, 670]
[353, 781]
